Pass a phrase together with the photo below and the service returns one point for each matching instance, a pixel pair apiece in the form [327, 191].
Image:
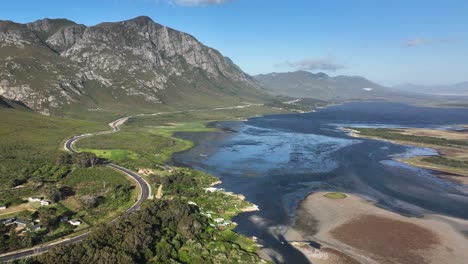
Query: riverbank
[451, 145]
[354, 230]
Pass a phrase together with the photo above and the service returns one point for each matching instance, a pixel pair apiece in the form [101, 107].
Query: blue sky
[390, 42]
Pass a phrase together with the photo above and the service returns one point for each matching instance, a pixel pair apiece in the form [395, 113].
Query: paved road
[144, 186]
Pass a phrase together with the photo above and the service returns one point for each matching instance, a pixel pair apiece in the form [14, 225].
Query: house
[213, 189]
[45, 202]
[35, 199]
[35, 227]
[3, 207]
[192, 203]
[74, 222]
[219, 220]
[21, 223]
[7, 221]
[207, 215]
[225, 223]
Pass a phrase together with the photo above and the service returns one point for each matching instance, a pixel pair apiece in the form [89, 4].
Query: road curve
[143, 185]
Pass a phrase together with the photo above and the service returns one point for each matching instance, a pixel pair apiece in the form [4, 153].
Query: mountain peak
[321, 75]
[49, 24]
[141, 21]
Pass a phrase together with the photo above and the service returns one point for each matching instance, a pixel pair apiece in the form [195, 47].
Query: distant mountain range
[452, 89]
[324, 87]
[59, 67]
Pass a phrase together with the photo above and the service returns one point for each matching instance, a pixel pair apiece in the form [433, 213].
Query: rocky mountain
[58, 67]
[451, 89]
[324, 87]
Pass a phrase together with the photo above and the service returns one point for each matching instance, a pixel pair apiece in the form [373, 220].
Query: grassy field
[30, 141]
[113, 191]
[135, 147]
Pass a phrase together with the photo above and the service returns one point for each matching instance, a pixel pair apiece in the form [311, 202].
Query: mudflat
[354, 230]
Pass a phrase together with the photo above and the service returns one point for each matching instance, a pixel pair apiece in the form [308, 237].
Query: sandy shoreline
[354, 229]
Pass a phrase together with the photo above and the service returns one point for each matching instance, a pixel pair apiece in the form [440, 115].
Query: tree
[48, 216]
[63, 159]
[13, 242]
[85, 159]
[53, 194]
[89, 200]
[15, 182]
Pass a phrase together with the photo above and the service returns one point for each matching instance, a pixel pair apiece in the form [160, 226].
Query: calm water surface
[277, 160]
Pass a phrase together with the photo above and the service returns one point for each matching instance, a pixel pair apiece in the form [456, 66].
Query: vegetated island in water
[452, 146]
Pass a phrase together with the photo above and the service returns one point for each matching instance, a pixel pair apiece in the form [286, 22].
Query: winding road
[144, 186]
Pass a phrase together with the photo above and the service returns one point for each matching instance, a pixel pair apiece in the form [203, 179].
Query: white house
[45, 202]
[219, 220]
[35, 199]
[213, 189]
[21, 223]
[3, 207]
[74, 222]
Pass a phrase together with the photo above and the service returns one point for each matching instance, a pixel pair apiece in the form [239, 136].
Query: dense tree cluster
[81, 159]
[163, 231]
[177, 183]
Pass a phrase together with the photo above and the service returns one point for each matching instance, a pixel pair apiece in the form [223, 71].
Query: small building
[35, 199]
[192, 203]
[21, 223]
[8, 221]
[35, 227]
[206, 214]
[225, 223]
[45, 202]
[213, 189]
[74, 222]
[3, 207]
[219, 220]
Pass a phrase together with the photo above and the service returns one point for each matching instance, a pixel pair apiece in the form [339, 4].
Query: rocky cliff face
[53, 64]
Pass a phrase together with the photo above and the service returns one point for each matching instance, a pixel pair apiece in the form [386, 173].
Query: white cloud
[424, 41]
[321, 64]
[199, 2]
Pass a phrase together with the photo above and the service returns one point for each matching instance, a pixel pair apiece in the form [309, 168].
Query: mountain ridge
[321, 86]
[56, 66]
